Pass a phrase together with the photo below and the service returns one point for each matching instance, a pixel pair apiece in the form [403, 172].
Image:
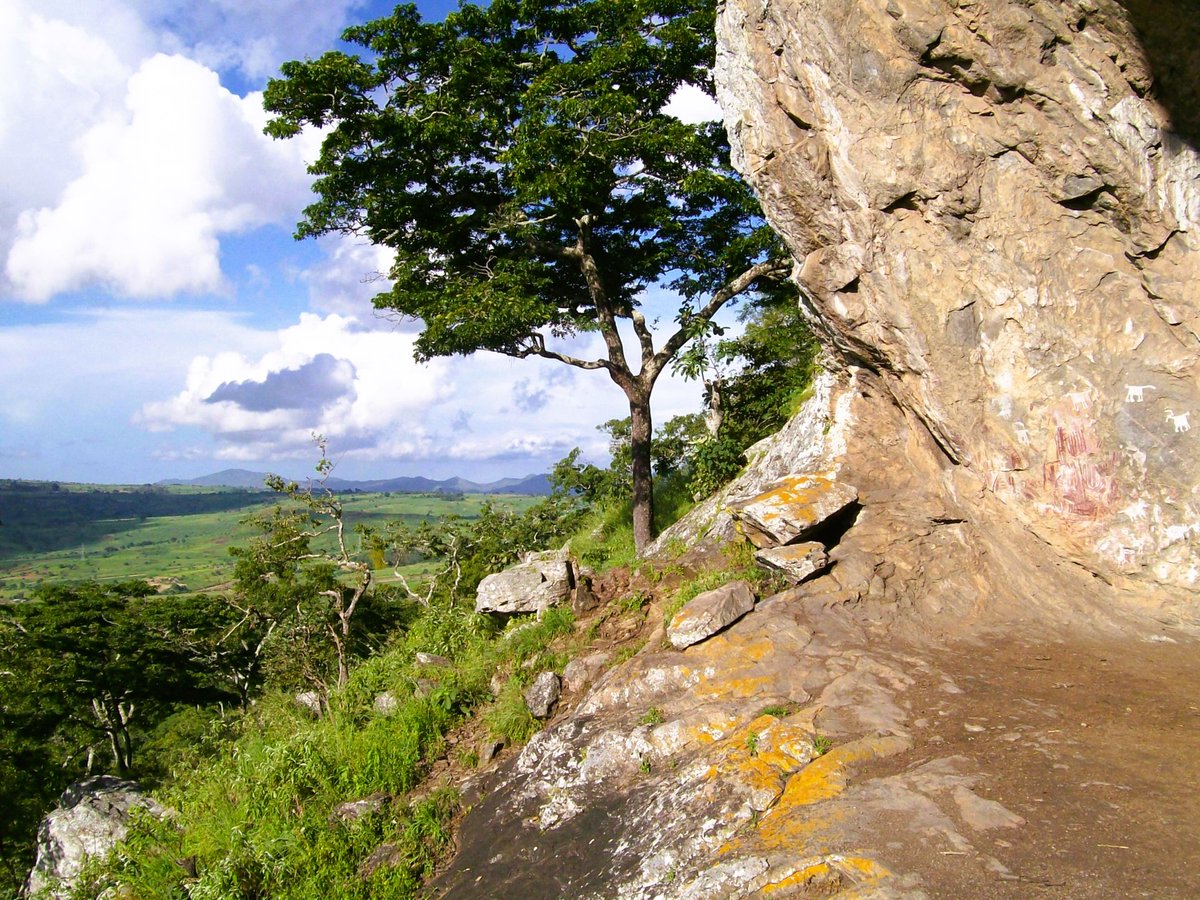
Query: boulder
[433, 660]
[794, 561]
[353, 810]
[535, 584]
[489, 749]
[792, 509]
[582, 671]
[582, 599]
[541, 696]
[385, 856]
[91, 818]
[386, 703]
[708, 613]
[311, 701]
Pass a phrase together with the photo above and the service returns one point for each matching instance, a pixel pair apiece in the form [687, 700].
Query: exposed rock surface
[993, 220]
[91, 818]
[386, 703]
[795, 561]
[541, 696]
[582, 671]
[538, 582]
[996, 238]
[792, 509]
[707, 613]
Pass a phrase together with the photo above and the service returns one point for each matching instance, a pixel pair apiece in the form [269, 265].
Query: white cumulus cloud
[692, 106]
[182, 162]
[370, 396]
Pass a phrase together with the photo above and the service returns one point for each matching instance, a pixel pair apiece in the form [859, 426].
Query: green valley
[175, 536]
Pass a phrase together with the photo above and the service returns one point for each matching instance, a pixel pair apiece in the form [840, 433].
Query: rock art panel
[991, 211]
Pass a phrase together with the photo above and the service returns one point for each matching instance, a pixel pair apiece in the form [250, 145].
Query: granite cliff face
[995, 208]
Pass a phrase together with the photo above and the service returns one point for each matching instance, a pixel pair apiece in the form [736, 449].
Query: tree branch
[720, 298]
[643, 335]
[617, 366]
[537, 347]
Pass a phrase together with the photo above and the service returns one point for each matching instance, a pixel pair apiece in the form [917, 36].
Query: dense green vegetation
[116, 678]
[525, 174]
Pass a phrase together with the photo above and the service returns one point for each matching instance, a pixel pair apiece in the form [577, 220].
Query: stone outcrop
[707, 613]
[581, 672]
[91, 818]
[542, 694]
[538, 582]
[794, 561]
[792, 509]
[995, 230]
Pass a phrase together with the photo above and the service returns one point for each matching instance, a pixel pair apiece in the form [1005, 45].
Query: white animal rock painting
[1136, 393]
[1179, 420]
[1136, 512]
[1079, 400]
[1022, 432]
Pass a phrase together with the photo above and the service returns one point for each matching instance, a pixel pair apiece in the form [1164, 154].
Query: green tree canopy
[518, 160]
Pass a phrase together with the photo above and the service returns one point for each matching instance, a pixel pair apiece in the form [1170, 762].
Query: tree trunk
[643, 483]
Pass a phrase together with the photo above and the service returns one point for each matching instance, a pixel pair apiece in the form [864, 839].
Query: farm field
[176, 536]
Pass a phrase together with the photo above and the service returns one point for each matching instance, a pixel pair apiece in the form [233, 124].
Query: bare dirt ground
[1093, 748]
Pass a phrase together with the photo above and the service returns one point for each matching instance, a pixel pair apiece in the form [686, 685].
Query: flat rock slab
[709, 612]
[532, 586]
[792, 508]
[794, 561]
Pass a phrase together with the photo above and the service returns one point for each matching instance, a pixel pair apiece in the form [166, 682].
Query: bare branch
[537, 347]
[772, 267]
[643, 335]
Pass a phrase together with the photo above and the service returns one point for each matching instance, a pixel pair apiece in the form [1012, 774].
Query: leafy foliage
[518, 160]
[89, 676]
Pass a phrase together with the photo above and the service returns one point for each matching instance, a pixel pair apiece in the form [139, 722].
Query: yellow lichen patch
[831, 874]
[795, 823]
[792, 506]
[820, 875]
[826, 776]
[756, 760]
[734, 688]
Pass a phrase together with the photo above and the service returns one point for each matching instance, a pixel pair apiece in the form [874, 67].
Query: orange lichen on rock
[826, 776]
[795, 823]
[832, 873]
[756, 760]
[792, 508]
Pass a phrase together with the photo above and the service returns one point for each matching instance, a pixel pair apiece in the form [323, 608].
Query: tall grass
[253, 818]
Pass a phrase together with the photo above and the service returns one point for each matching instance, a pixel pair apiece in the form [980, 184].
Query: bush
[714, 464]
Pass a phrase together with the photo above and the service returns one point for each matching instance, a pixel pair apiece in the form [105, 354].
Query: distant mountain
[531, 485]
[236, 478]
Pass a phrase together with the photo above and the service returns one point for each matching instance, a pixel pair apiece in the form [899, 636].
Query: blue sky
[157, 319]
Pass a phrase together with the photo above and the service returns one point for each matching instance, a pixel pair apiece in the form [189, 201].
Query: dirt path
[1081, 760]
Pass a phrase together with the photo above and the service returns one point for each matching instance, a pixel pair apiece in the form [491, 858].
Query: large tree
[519, 161]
